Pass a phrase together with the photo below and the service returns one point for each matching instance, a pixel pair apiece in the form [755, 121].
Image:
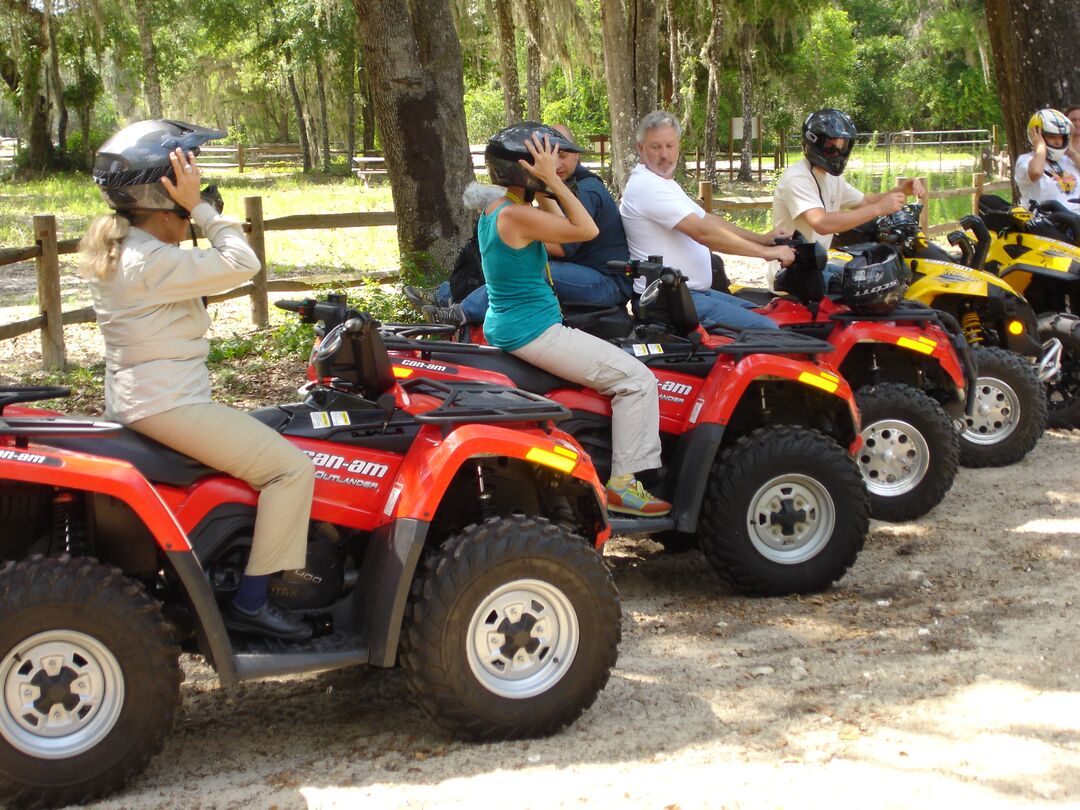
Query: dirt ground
[941, 671]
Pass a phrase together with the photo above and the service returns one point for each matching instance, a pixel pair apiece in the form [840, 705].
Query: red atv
[913, 376]
[453, 529]
[753, 434]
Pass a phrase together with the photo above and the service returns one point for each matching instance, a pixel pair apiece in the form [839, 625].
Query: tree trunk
[532, 60]
[508, 63]
[674, 97]
[414, 57]
[152, 84]
[298, 108]
[283, 123]
[54, 83]
[746, 85]
[630, 61]
[711, 56]
[320, 82]
[23, 71]
[1026, 39]
[367, 108]
[350, 105]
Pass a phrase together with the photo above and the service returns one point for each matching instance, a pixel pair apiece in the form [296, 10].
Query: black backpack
[467, 273]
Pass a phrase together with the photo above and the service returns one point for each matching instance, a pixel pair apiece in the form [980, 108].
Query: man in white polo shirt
[660, 219]
[812, 197]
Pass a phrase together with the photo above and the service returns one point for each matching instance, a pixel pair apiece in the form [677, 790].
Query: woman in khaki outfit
[148, 300]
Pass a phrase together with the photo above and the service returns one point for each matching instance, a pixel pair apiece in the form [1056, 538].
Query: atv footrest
[773, 341]
[270, 658]
[630, 526]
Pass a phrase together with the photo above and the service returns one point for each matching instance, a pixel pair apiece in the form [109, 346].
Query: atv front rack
[773, 341]
[469, 401]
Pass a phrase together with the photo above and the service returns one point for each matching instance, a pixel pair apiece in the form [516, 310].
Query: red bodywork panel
[846, 335]
[357, 487]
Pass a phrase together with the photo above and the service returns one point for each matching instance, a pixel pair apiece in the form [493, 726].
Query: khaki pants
[241, 446]
[635, 408]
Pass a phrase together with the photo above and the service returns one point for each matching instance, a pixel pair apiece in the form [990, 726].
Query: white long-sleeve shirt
[152, 317]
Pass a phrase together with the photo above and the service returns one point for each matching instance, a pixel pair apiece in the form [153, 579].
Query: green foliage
[484, 113]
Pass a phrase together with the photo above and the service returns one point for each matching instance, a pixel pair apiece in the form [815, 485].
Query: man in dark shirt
[579, 269]
[579, 273]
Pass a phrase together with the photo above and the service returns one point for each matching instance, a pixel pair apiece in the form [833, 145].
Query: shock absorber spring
[62, 511]
[972, 326]
[484, 494]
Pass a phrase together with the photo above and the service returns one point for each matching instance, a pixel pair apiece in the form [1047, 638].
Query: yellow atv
[1036, 253]
[1013, 361]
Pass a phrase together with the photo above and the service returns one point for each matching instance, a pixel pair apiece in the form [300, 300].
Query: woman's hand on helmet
[185, 190]
[545, 157]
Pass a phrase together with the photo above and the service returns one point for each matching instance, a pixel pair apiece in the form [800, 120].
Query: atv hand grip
[295, 306]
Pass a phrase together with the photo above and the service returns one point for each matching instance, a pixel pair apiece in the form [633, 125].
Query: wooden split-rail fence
[47, 249]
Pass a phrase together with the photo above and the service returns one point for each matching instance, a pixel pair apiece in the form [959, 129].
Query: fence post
[240, 158]
[978, 181]
[48, 278]
[924, 198]
[705, 193]
[260, 306]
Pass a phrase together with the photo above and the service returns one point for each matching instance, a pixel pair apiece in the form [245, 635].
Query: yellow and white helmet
[1052, 122]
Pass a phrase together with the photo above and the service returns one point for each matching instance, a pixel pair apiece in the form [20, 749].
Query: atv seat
[524, 375]
[759, 296]
[996, 213]
[157, 463]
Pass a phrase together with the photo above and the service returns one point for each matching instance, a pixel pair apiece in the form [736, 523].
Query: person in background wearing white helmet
[148, 301]
[1047, 173]
[814, 199]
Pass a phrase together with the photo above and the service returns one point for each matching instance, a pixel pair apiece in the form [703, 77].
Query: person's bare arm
[872, 206]
[1037, 165]
[546, 203]
[521, 224]
[716, 233]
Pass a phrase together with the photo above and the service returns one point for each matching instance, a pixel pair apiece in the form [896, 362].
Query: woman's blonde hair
[99, 249]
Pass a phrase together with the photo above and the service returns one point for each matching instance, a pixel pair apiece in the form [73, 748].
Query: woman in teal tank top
[523, 315]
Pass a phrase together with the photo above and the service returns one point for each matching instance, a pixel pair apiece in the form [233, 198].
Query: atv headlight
[1016, 327]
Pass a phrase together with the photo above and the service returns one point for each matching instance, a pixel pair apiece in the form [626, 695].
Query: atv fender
[424, 477]
[394, 549]
[52, 467]
[722, 393]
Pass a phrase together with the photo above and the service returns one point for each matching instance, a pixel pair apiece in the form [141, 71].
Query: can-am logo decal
[427, 366]
[29, 458]
[675, 388]
[341, 470]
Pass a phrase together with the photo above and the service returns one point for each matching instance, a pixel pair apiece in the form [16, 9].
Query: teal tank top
[521, 303]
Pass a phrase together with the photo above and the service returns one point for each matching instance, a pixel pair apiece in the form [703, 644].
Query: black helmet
[874, 279]
[130, 165]
[822, 125]
[507, 146]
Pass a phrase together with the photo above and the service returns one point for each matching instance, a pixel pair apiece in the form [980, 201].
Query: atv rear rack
[469, 401]
[44, 427]
[773, 341]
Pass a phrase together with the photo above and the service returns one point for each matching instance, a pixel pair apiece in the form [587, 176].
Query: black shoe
[269, 620]
[452, 315]
[417, 296]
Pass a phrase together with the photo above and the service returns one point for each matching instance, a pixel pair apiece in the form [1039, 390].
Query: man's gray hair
[655, 120]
